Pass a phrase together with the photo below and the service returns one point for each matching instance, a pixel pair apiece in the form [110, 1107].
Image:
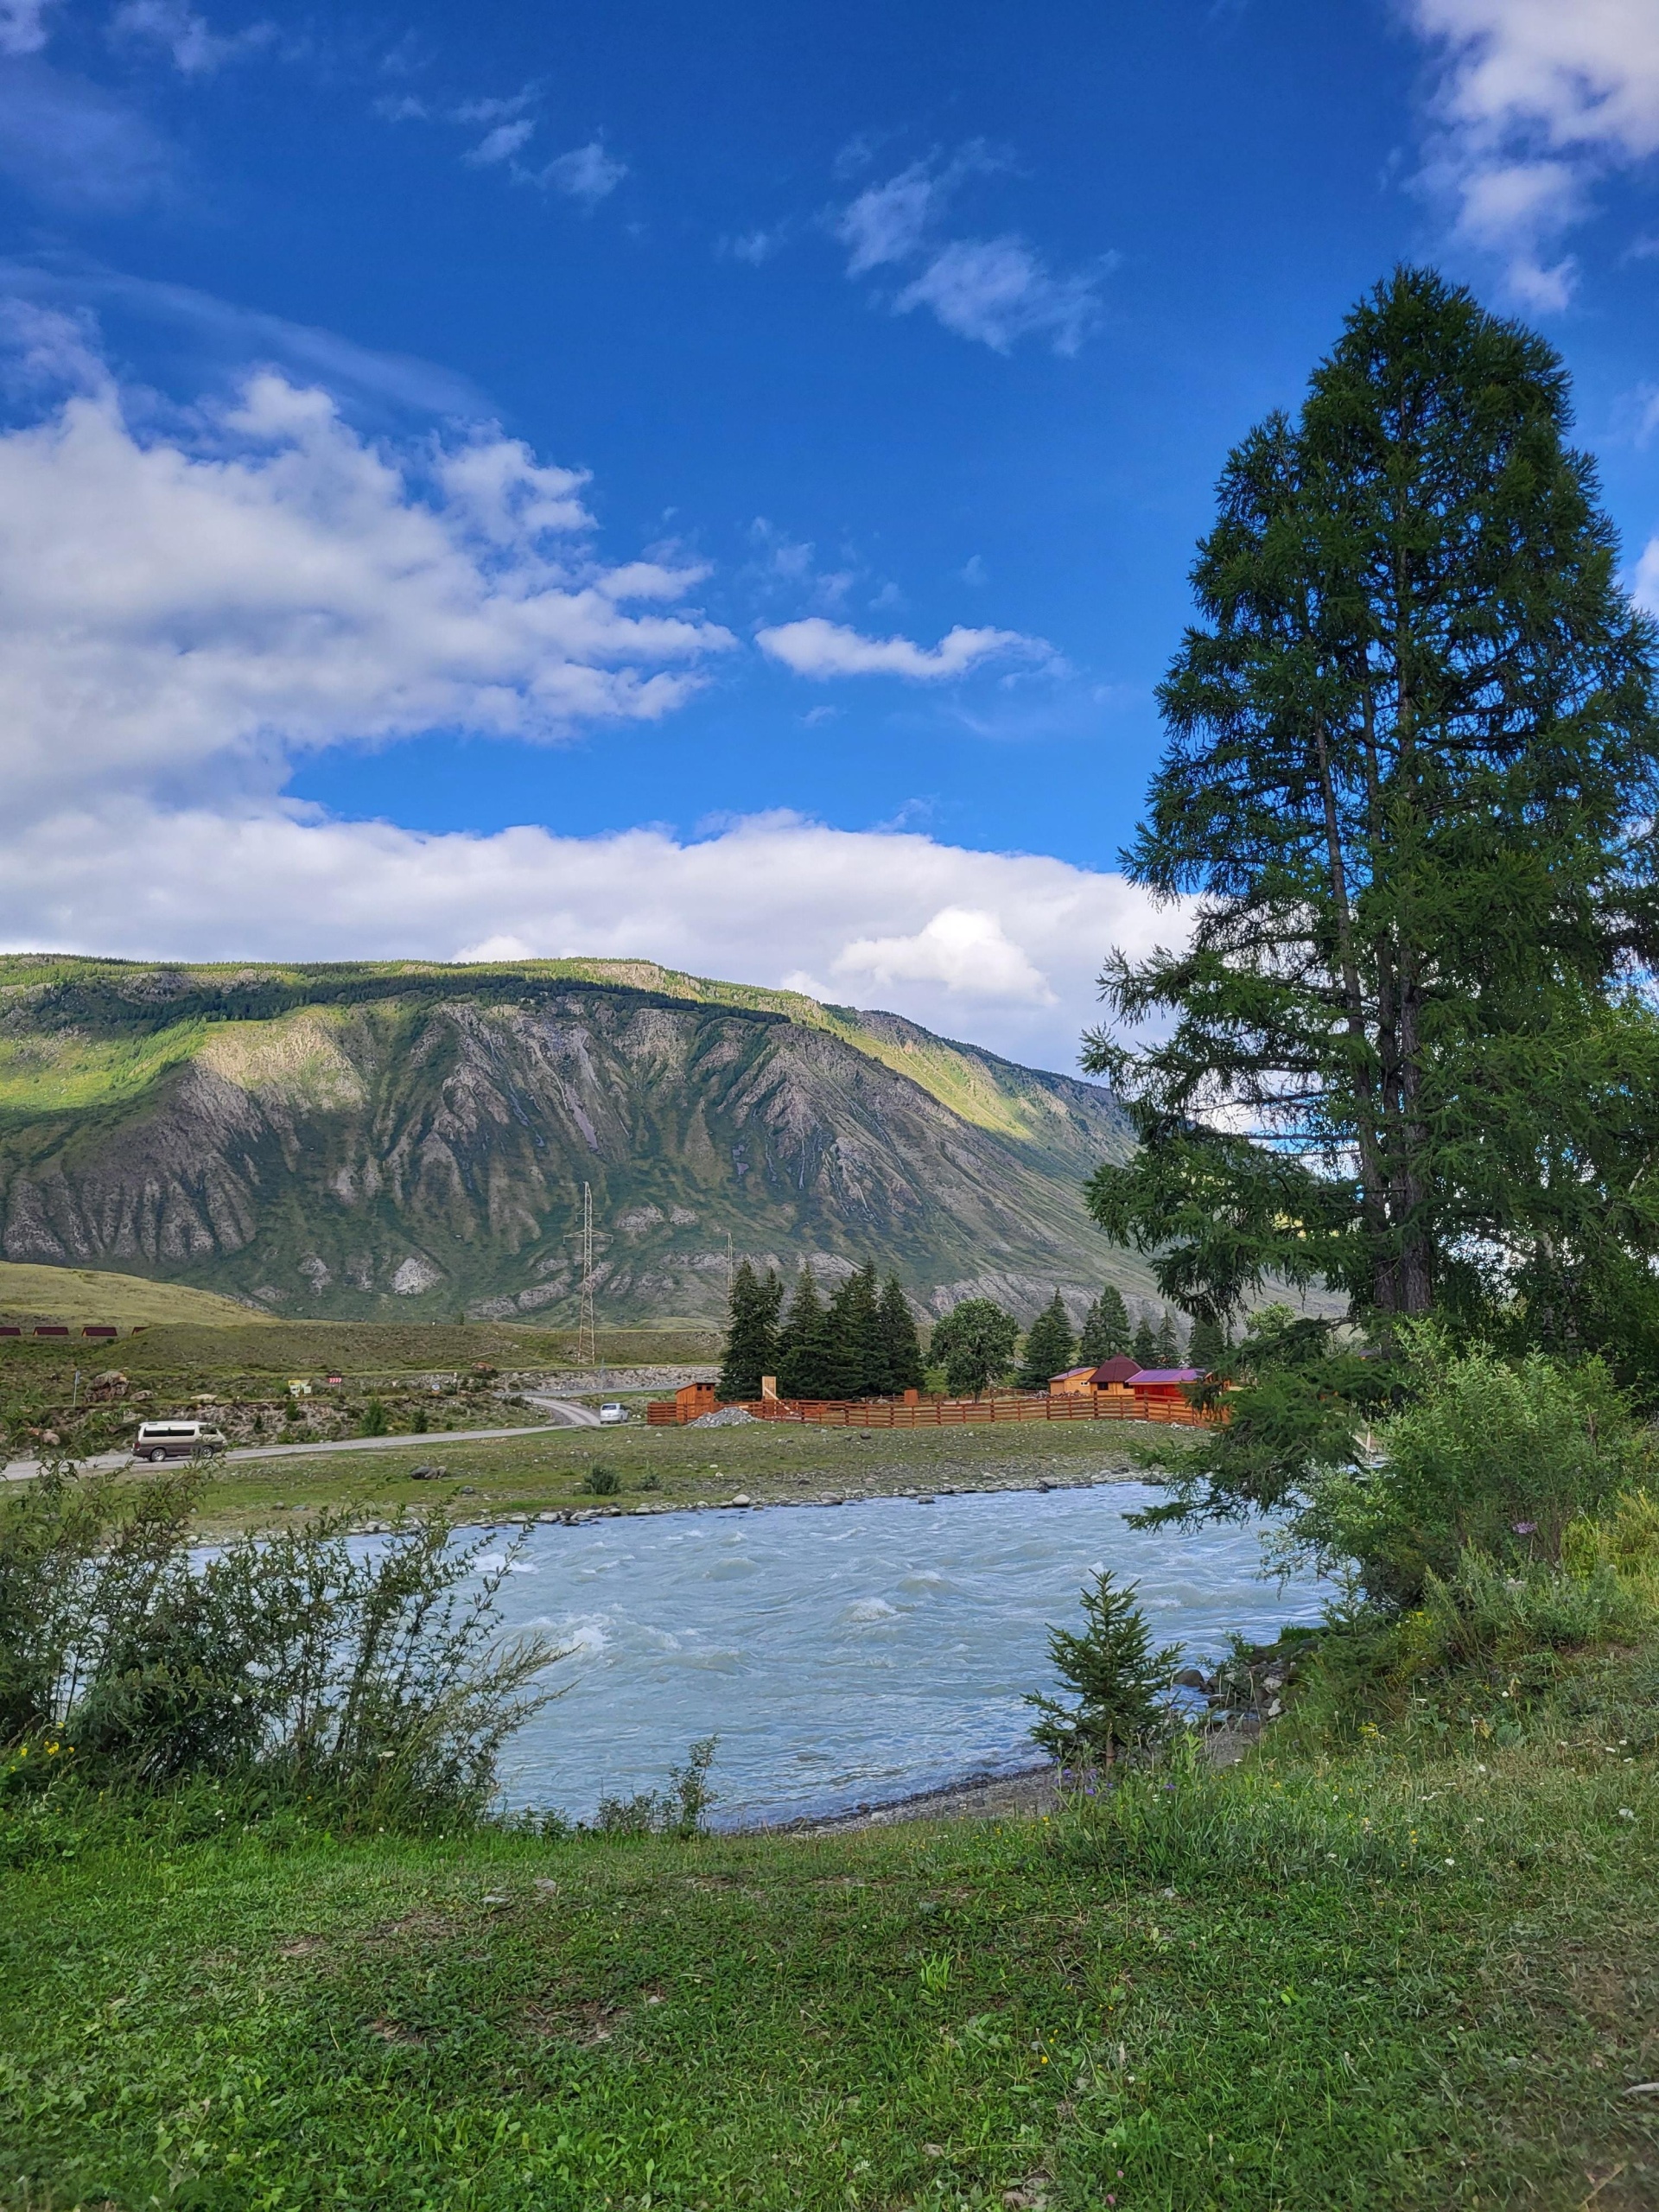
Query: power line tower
[586, 1354]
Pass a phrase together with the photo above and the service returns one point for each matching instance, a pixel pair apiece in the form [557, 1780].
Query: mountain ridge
[410, 1136]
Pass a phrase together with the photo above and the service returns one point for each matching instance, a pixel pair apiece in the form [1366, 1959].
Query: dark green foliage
[811, 1363]
[1050, 1347]
[902, 1347]
[601, 1480]
[680, 1810]
[1106, 1332]
[373, 1422]
[1143, 1347]
[1301, 1401]
[975, 1344]
[1206, 1347]
[751, 1334]
[1121, 1682]
[1166, 1345]
[855, 1333]
[1410, 773]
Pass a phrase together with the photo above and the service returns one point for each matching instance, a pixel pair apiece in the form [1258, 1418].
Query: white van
[175, 1440]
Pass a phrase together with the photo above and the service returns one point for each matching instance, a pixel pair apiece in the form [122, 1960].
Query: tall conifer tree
[1049, 1347]
[752, 1332]
[1167, 1345]
[1412, 770]
[856, 1327]
[1144, 1348]
[1106, 1334]
[901, 1346]
[1207, 1345]
[808, 1361]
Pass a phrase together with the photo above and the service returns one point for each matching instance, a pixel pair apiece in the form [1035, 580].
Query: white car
[611, 1413]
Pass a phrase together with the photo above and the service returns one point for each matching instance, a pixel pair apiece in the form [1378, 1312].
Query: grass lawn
[767, 1461]
[1400, 1978]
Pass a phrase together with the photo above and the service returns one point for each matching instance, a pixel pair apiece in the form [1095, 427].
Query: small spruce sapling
[1121, 1683]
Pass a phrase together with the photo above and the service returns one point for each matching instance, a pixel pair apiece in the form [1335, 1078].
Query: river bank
[553, 1472]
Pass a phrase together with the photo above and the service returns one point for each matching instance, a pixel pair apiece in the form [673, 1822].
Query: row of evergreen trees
[862, 1341]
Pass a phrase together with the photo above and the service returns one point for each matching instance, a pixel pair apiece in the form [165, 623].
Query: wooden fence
[952, 1412]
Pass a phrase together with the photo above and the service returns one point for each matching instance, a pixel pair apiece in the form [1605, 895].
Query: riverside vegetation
[1402, 1954]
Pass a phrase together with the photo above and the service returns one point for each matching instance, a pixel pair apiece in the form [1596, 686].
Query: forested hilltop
[408, 1140]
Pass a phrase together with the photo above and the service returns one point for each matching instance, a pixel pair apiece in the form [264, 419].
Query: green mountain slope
[405, 1138]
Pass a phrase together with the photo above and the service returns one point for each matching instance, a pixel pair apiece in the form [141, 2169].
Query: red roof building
[1120, 1370]
[1165, 1381]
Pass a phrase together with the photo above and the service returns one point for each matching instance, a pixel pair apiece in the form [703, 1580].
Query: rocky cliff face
[395, 1139]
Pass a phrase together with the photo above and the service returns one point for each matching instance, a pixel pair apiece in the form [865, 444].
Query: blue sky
[712, 485]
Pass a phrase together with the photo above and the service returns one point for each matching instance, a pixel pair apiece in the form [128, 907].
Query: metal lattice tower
[586, 1351]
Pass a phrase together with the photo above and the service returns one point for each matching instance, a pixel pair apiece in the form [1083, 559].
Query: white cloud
[964, 948]
[187, 609]
[1003, 947]
[818, 648]
[586, 172]
[195, 47]
[998, 290]
[75, 146]
[502, 143]
[756, 247]
[995, 290]
[1539, 99]
[23, 26]
[209, 603]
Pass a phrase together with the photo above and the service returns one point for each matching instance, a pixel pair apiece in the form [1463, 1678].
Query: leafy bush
[680, 1810]
[1479, 1612]
[1121, 1682]
[601, 1481]
[374, 1421]
[377, 1676]
[1487, 1456]
[975, 1341]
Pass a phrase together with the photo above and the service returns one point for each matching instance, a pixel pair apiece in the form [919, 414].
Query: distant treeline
[862, 1341]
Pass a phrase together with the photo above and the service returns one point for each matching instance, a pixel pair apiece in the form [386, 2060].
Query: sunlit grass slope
[78, 1295]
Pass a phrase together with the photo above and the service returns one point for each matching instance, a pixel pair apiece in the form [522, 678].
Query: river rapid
[843, 1656]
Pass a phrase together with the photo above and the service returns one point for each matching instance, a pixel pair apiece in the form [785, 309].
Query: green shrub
[680, 1810]
[377, 1678]
[374, 1421]
[1481, 1612]
[1489, 1456]
[601, 1481]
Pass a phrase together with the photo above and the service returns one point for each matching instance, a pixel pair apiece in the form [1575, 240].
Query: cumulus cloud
[964, 948]
[195, 47]
[995, 290]
[1000, 947]
[271, 582]
[1537, 101]
[818, 648]
[188, 605]
[502, 143]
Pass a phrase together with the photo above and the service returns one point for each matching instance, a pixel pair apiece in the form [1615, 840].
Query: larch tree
[1410, 784]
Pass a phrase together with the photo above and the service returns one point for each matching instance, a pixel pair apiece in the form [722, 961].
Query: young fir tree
[1106, 1327]
[902, 1347]
[975, 1342]
[750, 1333]
[1207, 1345]
[856, 1332]
[1411, 769]
[1167, 1345]
[810, 1365]
[1119, 1681]
[1144, 1349]
[1050, 1347]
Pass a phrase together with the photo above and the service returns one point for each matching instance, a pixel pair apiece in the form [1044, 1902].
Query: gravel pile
[722, 1417]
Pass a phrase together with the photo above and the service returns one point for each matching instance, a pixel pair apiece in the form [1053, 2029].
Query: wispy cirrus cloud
[586, 173]
[195, 48]
[818, 648]
[995, 290]
[1537, 103]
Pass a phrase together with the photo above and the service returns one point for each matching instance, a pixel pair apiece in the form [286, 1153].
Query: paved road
[563, 1416]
